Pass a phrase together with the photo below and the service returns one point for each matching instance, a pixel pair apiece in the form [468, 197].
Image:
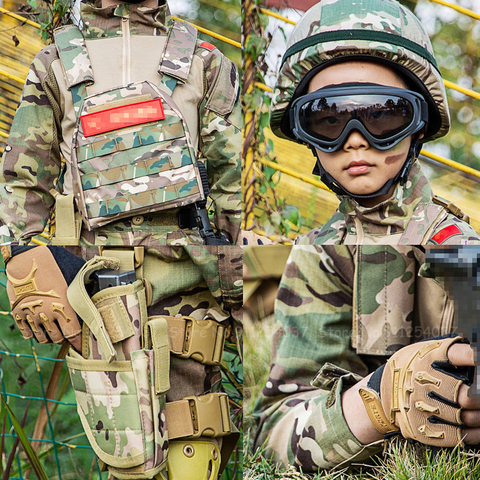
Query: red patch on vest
[121, 117]
[446, 233]
[207, 45]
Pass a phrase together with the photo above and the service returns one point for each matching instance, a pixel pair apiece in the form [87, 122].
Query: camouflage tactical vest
[131, 150]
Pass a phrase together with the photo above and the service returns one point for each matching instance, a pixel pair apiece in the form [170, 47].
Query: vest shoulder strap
[73, 56]
[422, 224]
[178, 53]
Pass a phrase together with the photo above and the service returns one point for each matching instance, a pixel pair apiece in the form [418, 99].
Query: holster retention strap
[192, 417]
[155, 337]
[85, 308]
[201, 340]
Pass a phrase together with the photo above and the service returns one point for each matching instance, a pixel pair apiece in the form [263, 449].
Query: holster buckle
[210, 415]
[204, 341]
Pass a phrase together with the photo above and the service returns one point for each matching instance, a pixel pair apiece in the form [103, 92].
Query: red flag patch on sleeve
[207, 45]
[446, 233]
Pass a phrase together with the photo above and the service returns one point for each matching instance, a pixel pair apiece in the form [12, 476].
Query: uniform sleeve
[303, 425]
[31, 161]
[220, 142]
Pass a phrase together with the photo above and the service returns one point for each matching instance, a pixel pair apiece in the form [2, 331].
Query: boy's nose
[356, 140]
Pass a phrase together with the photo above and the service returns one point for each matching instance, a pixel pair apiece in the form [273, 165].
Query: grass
[401, 460]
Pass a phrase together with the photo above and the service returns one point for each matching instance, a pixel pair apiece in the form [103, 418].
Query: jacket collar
[106, 22]
[392, 215]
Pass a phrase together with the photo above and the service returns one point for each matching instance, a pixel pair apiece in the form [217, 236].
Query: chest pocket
[146, 165]
[131, 151]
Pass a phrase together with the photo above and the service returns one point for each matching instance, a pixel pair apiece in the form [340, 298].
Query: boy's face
[358, 167]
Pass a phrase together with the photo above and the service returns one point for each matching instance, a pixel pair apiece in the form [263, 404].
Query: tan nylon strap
[131, 258]
[193, 417]
[156, 337]
[84, 307]
[67, 226]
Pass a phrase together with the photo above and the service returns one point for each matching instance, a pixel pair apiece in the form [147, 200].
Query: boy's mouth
[358, 167]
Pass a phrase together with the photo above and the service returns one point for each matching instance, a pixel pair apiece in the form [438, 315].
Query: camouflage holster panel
[122, 376]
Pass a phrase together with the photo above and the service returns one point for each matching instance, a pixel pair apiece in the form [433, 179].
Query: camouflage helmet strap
[177, 55]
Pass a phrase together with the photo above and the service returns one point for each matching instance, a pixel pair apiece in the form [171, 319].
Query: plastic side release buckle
[204, 341]
[210, 415]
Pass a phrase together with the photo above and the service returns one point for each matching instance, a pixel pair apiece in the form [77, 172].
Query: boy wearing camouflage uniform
[363, 91]
[158, 333]
[343, 311]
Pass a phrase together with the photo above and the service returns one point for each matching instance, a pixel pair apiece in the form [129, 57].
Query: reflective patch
[121, 117]
[446, 233]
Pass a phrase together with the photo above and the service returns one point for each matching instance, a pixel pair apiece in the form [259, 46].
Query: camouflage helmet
[377, 30]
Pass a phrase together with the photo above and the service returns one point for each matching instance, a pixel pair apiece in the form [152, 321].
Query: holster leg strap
[192, 417]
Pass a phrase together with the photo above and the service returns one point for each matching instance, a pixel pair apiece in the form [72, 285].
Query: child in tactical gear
[360, 86]
[353, 359]
[141, 142]
[149, 141]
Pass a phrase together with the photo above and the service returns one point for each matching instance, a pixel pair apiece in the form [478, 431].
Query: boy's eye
[328, 120]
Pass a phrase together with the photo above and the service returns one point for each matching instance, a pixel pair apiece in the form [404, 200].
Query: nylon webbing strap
[84, 307]
[156, 337]
[192, 417]
[67, 227]
[75, 61]
[201, 340]
[180, 46]
[415, 232]
[131, 258]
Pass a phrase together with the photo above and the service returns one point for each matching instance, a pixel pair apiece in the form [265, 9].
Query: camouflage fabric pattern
[176, 61]
[383, 27]
[32, 160]
[329, 298]
[127, 419]
[106, 22]
[107, 183]
[408, 217]
[75, 59]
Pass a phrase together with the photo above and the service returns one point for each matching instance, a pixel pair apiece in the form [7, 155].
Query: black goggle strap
[401, 176]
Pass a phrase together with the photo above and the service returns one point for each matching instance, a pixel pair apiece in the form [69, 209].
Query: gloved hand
[416, 393]
[38, 278]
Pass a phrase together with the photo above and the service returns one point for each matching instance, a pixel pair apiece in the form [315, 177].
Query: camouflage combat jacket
[411, 216]
[125, 43]
[341, 311]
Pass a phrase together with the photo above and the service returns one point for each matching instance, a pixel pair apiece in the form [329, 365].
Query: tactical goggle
[383, 115]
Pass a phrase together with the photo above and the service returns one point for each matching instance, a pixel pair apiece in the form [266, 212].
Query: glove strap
[375, 412]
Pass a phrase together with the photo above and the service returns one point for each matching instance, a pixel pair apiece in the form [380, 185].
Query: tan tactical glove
[416, 393]
[37, 290]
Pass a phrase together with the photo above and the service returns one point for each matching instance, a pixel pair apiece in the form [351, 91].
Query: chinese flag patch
[446, 233]
[207, 45]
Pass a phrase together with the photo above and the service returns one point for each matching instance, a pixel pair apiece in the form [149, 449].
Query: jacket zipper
[126, 50]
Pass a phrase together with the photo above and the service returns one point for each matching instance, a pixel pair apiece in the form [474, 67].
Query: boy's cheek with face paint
[383, 166]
